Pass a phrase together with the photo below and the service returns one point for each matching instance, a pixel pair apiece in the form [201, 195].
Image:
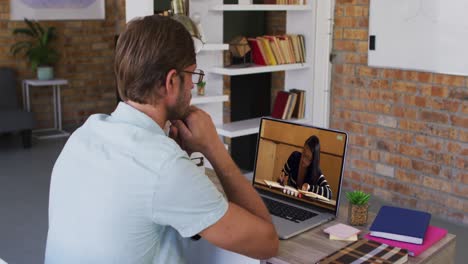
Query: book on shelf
[280, 104]
[432, 236]
[257, 55]
[400, 224]
[298, 111]
[367, 251]
[289, 105]
[274, 50]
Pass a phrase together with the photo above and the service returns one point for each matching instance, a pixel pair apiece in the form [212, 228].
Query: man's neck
[155, 112]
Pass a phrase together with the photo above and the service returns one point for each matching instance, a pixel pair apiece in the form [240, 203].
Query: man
[124, 192]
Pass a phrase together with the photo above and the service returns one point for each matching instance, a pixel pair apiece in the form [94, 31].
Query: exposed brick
[362, 141]
[357, 11]
[459, 121]
[363, 165]
[461, 176]
[355, 34]
[443, 104]
[368, 71]
[437, 91]
[430, 135]
[393, 74]
[362, 117]
[387, 121]
[404, 87]
[449, 80]
[345, 69]
[404, 112]
[351, 22]
[434, 117]
[460, 94]
[410, 177]
[385, 170]
[386, 145]
[399, 187]
[425, 167]
[437, 184]
[382, 194]
[379, 84]
[345, 45]
[354, 127]
[460, 189]
[411, 151]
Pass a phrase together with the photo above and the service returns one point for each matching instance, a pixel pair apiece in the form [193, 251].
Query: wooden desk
[311, 246]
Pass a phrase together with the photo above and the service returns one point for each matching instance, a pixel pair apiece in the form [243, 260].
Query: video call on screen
[283, 145]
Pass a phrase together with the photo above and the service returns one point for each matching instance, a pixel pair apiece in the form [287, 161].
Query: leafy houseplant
[37, 49]
[201, 88]
[358, 208]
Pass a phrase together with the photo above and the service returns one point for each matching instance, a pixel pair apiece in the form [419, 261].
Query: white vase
[45, 73]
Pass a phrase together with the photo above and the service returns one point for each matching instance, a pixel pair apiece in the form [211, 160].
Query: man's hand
[196, 133]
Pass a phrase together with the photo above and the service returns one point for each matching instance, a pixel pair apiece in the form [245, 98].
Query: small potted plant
[358, 207]
[37, 49]
[201, 88]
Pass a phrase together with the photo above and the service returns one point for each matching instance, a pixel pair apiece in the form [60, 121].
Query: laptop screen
[300, 162]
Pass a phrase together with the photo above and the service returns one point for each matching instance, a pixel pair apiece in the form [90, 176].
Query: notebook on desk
[281, 158]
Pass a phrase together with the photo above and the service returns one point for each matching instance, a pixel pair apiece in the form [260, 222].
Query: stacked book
[405, 228]
[342, 232]
[274, 50]
[289, 104]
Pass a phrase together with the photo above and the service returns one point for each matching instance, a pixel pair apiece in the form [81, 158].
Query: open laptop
[295, 211]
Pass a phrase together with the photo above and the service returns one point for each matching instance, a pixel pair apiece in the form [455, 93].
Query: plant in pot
[358, 207]
[201, 88]
[37, 48]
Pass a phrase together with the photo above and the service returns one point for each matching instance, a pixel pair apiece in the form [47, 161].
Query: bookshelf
[258, 69]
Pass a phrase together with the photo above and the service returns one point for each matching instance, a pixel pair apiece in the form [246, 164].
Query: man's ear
[171, 81]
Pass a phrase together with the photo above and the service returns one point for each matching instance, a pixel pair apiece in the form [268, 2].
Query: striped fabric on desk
[366, 251]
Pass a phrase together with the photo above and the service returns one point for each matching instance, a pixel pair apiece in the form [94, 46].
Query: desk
[314, 244]
[56, 84]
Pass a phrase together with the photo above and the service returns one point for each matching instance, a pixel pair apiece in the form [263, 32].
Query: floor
[24, 191]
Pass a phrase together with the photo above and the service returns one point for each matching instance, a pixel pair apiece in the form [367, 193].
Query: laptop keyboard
[287, 212]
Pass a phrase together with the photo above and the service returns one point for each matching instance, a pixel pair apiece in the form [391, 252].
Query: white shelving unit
[312, 20]
[258, 69]
[261, 8]
[214, 47]
[245, 127]
[209, 97]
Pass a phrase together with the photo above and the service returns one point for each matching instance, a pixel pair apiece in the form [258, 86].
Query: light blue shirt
[123, 192]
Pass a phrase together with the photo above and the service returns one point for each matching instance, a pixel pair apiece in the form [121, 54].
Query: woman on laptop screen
[302, 170]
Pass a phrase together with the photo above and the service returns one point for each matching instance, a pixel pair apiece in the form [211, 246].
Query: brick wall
[408, 130]
[87, 50]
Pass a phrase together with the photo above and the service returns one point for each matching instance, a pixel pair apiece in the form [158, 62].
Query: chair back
[8, 97]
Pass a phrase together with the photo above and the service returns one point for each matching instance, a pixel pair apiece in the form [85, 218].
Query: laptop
[279, 157]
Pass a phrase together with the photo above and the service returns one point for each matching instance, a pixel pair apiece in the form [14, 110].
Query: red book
[280, 104]
[433, 234]
[257, 55]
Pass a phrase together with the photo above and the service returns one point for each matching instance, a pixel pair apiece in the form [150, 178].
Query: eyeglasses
[197, 75]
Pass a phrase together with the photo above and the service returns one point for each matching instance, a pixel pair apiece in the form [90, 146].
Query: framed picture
[57, 9]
